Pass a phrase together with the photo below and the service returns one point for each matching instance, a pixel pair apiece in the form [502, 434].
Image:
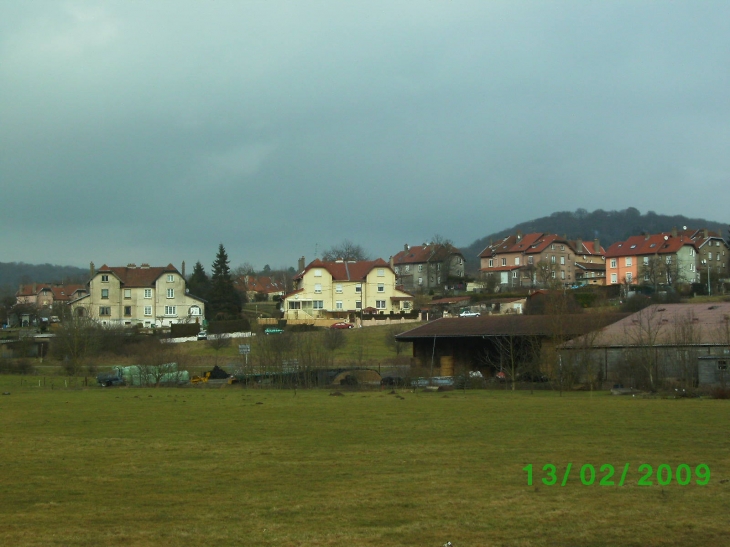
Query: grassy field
[231, 466]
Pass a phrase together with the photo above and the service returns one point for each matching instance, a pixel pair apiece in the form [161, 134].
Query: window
[562, 247]
[148, 310]
[646, 261]
[127, 293]
[646, 277]
[381, 287]
[613, 262]
[491, 263]
[170, 310]
[562, 274]
[709, 256]
[105, 293]
[514, 274]
[562, 260]
[338, 288]
[552, 274]
[381, 272]
[195, 310]
[552, 247]
[104, 278]
[397, 269]
[629, 261]
[105, 310]
[669, 260]
[358, 288]
[438, 267]
[438, 279]
[318, 288]
[420, 281]
[127, 311]
[338, 305]
[614, 278]
[504, 262]
[530, 259]
[420, 267]
[517, 261]
[358, 304]
[408, 268]
[170, 293]
[294, 305]
[380, 304]
[148, 293]
[552, 259]
[406, 305]
[318, 304]
[317, 273]
[629, 277]
[170, 278]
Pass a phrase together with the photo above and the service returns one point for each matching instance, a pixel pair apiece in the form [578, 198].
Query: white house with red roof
[145, 295]
[343, 289]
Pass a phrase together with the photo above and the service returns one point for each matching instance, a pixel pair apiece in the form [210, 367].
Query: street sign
[244, 349]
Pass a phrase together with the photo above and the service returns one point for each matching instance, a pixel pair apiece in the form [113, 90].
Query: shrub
[720, 393]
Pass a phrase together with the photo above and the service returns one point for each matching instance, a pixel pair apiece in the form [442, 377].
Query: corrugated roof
[666, 324]
[511, 325]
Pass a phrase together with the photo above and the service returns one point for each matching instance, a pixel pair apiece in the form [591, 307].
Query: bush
[184, 330]
[720, 393]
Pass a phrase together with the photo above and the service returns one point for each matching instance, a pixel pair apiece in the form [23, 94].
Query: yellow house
[344, 289]
[146, 295]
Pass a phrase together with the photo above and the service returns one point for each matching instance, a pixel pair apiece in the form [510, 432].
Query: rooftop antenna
[316, 246]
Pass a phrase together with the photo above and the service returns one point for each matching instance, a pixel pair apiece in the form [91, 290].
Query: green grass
[201, 467]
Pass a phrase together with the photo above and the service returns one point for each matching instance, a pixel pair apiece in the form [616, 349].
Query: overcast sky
[151, 131]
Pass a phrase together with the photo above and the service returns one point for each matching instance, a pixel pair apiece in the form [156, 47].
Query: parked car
[106, 379]
[203, 335]
[273, 330]
[467, 313]
[342, 325]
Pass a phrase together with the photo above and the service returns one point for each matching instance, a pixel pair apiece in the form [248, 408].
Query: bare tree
[641, 334]
[217, 342]
[546, 274]
[75, 340]
[686, 332]
[390, 341]
[513, 355]
[347, 250]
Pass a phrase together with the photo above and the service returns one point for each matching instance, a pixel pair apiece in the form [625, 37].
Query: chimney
[405, 247]
[300, 265]
[579, 246]
[519, 235]
[144, 265]
[674, 231]
[392, 264]
[706, 233]
[596, 246]
[183, 269]
[646, 235]
[131, 265]
[92, 272]
[35, 288]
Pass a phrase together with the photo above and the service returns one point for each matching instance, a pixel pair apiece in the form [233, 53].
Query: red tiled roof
[346, 271]
[141, 276]
[648, 245]
[533, 243]
[451, 300]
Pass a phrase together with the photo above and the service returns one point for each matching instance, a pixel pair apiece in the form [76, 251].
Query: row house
[669, 258]
[428, 266]
[45, 295]
[343, 289]
[144, 295]
[530, 260]
[590, 262]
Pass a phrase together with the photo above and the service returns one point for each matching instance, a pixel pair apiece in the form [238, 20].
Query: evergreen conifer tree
[223, 299]
[198, 283]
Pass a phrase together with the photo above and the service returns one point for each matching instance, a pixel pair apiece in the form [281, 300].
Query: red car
[342, 325]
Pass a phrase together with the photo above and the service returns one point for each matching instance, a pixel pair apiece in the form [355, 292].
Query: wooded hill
[12, 274]
[607, 226]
